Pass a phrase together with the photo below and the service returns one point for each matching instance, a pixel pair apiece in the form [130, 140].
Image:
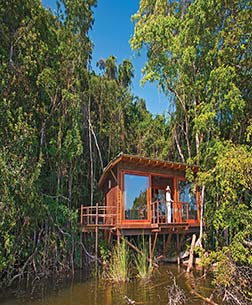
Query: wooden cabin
[144, 196]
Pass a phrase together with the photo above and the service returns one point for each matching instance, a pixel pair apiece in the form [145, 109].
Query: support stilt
[163, 243]
[81, 250]
[167, 244]
[154, 245]
[96, 241]
[150, 249]
[109, 236]
[178, 248]
[96, 237]
[118, 235]
[137, 250]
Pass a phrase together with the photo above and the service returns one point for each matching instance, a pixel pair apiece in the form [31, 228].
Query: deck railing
[159, 213]
[98, 215]
[179, 212]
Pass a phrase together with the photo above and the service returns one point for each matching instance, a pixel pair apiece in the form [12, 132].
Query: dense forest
[61, 123]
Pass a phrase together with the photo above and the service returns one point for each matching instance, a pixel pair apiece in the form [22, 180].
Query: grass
[144, 268]
[118, 266]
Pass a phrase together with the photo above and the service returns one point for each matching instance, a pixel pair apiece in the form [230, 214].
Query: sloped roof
[148, 162]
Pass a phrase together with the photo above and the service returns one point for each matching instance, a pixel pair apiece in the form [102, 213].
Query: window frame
[148, 196]
[197, 201]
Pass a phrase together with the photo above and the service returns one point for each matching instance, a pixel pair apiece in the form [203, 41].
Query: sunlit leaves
[198, 51]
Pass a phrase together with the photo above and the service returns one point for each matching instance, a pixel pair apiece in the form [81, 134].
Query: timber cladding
[159, 174]
[111, 203]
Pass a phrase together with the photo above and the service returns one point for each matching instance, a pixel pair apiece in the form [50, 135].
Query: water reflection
[100, 292]
[108, 295]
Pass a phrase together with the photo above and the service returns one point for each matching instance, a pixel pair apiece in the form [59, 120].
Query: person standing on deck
[168, 202]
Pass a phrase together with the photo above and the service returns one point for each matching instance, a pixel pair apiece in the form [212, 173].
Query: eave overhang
[144, 161]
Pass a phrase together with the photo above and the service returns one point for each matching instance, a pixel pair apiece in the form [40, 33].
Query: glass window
[187, 197]
[135, 196]
[159, 195]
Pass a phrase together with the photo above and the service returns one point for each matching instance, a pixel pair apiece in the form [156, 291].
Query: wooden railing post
[96, 230]
[96, 214]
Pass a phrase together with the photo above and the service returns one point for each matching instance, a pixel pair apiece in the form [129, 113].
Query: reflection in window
[135, 196]
[159, 195]
[187, 197]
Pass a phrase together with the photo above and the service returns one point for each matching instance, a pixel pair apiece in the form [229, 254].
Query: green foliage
[60, 123]
[119, 264]
[232, 279]
[41, 144]
[57, 122]
[199, 52]
[229, 209]
[104, 250]
[121, 121]
[144, 268]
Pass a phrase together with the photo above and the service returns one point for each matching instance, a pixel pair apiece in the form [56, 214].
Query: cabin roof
[148, 162]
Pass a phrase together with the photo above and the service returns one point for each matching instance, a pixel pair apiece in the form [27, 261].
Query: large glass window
[135, 196]
[187, 197]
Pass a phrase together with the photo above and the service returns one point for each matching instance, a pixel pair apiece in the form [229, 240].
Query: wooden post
[166, 244]
[118, 235]
[154, 245]
[96, 237]
[81, 251]
[138, 251]
[96, 230]
[163, 244]
[150, 248]
[190, 261]
[109, 236]
[178, 249]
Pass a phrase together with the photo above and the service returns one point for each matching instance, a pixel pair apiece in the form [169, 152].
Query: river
[93, 291]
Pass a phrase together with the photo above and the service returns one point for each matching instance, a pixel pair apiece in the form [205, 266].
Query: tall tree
[43, 68]
[199, 51]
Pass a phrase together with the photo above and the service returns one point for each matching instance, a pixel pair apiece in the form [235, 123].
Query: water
[99, 292]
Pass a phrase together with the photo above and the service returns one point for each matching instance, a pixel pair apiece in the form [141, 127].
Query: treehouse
[144, 196]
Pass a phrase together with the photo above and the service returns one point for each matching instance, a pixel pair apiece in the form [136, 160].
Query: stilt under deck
[103, 218]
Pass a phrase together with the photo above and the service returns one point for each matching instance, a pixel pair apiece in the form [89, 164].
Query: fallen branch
[129, 301]
[193, 291]
[208, 300]
[92, 257]
[139, 251]
[247, 244]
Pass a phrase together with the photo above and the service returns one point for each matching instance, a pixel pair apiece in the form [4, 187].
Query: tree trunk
[190, 261]
[202, 200]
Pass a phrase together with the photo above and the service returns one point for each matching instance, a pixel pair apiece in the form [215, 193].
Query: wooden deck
[106, 218]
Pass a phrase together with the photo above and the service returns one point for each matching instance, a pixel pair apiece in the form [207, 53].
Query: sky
[110, 35]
